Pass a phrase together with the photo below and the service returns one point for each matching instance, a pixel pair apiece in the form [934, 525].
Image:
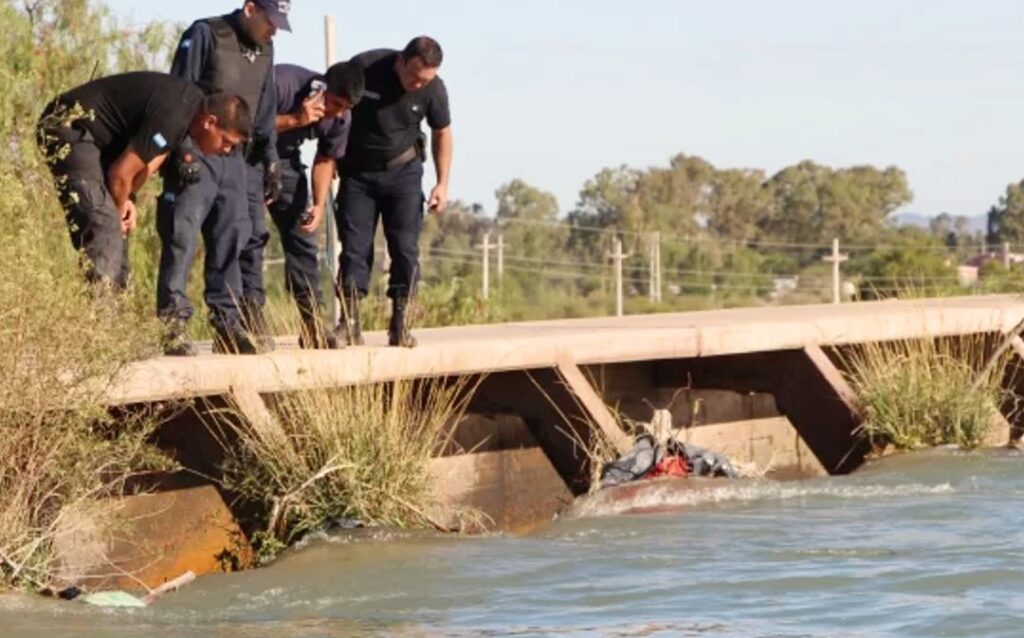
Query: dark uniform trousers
[395, 197]
[216, 208]
[250, 260]
[92, 217]
[301, 251]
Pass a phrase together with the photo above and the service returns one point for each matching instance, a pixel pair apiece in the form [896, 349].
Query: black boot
[349, 331]
[256, 325]
[233, 340]
[398, 329]
[175, 342]
[312, 333]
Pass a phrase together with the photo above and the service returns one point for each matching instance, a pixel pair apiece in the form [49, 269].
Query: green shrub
[926, 392]
[356, 452]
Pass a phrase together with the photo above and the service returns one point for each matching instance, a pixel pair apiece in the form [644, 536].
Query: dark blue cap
[277, 11]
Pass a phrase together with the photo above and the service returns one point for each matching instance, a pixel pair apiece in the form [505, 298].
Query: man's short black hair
[425, 48]
[232, 113]
[345, 79]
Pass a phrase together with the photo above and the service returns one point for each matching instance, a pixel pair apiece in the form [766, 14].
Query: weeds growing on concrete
[919, 393]
[358, 452]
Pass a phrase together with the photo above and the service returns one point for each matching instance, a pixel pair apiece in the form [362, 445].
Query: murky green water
[929, 545]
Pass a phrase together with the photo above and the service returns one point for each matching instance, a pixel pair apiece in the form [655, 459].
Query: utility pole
[652, 274]
[332, 245]
[486, 247]
[836, 259]
[617, 258]
[501, 257]
[656, 266]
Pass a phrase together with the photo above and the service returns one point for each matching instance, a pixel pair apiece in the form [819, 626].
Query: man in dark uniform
[104, 139]
[382, 173]
[231, 54]
[310, 106]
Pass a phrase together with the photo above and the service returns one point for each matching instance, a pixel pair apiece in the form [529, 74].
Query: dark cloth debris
[649, 459]
[341, 523]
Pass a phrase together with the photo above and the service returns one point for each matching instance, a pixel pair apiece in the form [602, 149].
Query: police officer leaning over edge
[226, 201]
[382, 173]
[105, 138]
[310, 106]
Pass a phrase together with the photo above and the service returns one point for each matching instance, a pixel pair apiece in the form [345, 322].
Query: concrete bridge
[758, 384]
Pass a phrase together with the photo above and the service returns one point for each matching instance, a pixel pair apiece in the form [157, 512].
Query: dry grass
[358, 452]
[61, 341]
[927, 392]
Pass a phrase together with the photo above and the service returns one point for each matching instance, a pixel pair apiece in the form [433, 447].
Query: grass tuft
[359, 452]
[929, 392]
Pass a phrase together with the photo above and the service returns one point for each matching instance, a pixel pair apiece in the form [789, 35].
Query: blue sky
[553, 91]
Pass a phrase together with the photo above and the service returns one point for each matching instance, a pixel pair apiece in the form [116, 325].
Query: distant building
[782, 286]
[968, 275]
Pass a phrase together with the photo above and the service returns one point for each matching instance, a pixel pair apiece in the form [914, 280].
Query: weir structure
[760, 385]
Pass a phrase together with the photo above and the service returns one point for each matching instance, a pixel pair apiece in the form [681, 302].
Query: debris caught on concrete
[112, 599]
[658, 453]
[125, 600]
[169, 586]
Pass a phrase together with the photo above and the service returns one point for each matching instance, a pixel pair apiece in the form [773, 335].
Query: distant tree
[941, 225]
[912, 262]
[527, 217]
[1006, 219]
[738, 204]
[816, 203]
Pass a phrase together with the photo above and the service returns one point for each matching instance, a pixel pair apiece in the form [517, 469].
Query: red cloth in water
[670, 466]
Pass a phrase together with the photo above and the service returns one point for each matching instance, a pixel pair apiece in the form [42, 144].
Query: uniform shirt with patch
[387, 121]
[147, 111]
[196, 49]
[294, 84]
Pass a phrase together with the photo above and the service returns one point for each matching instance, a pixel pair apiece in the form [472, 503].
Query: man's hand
[438, 199]
[312, 110]
[129, 216]
[272, 183]
[310, 221]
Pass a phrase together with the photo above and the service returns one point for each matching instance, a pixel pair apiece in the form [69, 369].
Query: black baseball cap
[277, 11]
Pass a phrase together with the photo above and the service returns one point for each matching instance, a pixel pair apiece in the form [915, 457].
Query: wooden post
[332, 244]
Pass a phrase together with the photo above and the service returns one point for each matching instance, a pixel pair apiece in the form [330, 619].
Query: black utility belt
[358, 166]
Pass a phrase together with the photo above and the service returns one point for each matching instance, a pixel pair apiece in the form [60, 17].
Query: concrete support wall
[801, 385]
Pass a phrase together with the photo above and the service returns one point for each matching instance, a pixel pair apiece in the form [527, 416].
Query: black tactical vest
[236, 68]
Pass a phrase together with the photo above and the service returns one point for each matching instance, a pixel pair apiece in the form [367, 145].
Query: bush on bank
[60, 342]
[920, 393]
[359, 452]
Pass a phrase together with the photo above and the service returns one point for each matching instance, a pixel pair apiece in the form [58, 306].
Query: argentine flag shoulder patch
[160, 141]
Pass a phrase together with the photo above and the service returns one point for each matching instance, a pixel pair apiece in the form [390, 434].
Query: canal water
[930, 544]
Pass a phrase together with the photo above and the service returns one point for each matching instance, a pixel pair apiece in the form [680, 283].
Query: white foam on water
[671, 494]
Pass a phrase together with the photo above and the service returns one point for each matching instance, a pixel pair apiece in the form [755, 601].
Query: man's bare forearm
[122, 186]
[323, 175]
[288, 122]
[442, 146]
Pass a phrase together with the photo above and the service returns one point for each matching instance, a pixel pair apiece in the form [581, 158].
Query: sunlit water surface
[926, 545]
